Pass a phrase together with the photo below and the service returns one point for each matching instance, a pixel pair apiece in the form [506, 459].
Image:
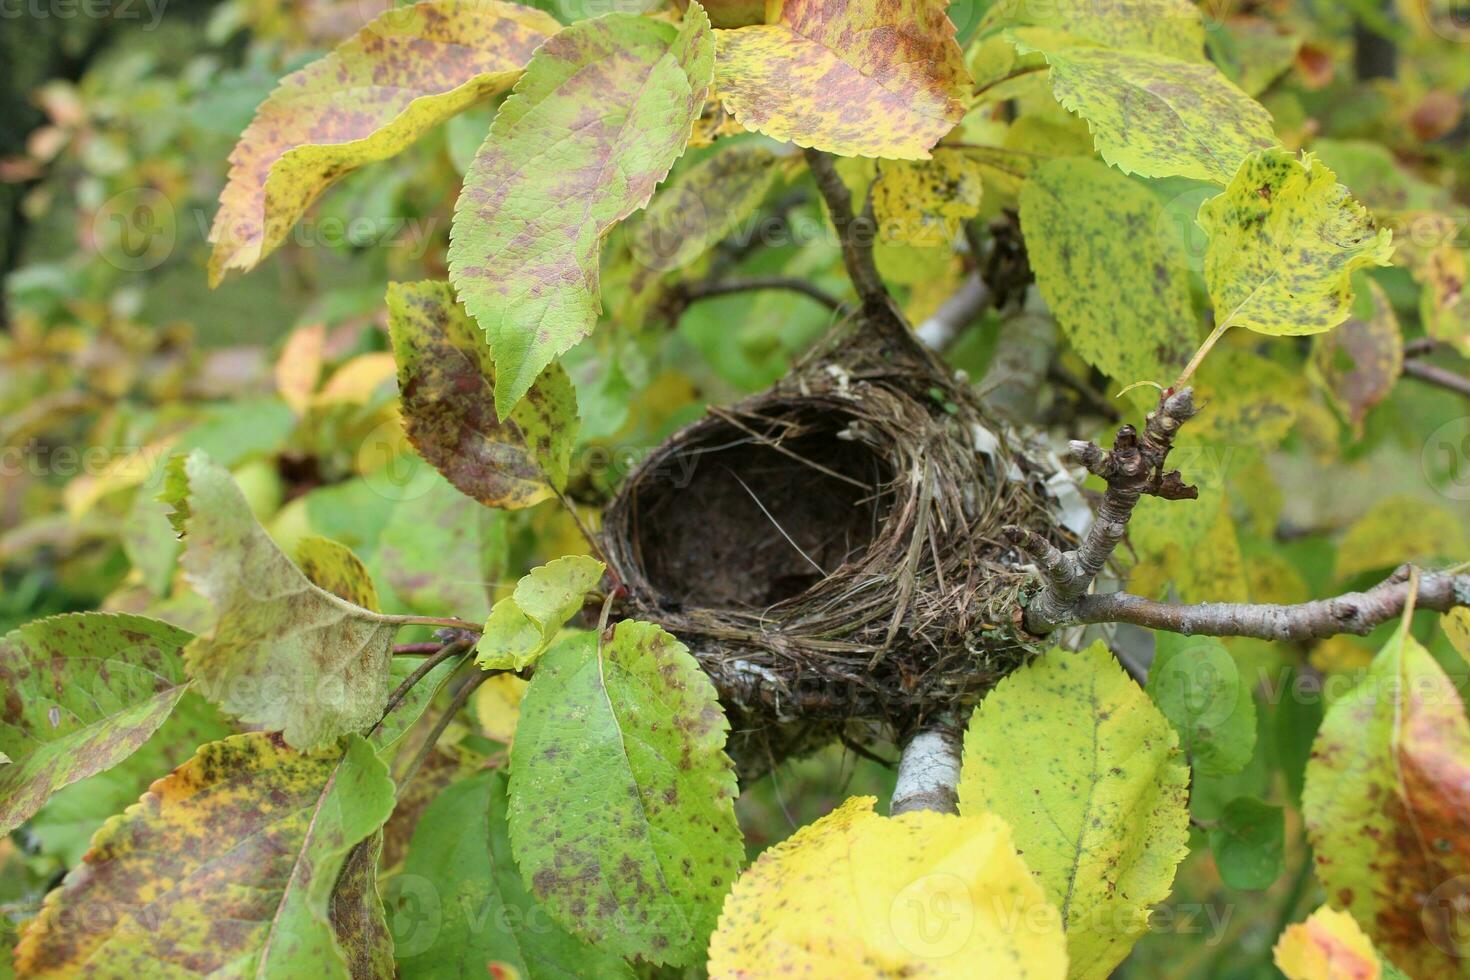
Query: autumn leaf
[522, 625]
[921, 894]
[1359, 362]
[82, 692]
[602, 113]
[1456, 624]
[703, 205]
[1123, 299]
[1167, 27]
[622, 811]
[226, 864]
[1089, 775]
[1329, 945]
[1387, 791]
[1152, 115]
[498, 706]
[1399, 528]
[299, 366]
[924, 202]
[462, 846]
[448, 384]
[1285, 237]
[859, 78]
[282, 653]
[332, 566]
[407, 71]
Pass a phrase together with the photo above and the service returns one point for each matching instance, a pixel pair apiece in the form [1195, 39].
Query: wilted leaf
[1329, 945]
[1153, 115]
[853, 77]
[702, 206]
[622, 811]
[81, 693]
[602, 113]
[227, 864]
[1386, 798]
[282, 653]
[332, 566]
[1167, 27]
[448, 384]
[522, 625]
[461, 846]
[1248, 843]
[1285, 237]
[402, 74]
[1398, 529]
[921, 894]
[924, 202]
[1073, 755]
[1196, 684]
[1361, 360]
[1109, 268]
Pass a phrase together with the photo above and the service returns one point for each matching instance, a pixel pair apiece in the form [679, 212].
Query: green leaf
[702, 206]
[1153, 115]
[1196, 684]
[1088, 773]
[1387, 791]
[858, 78]
[227, 864]
[1285, 237]
[522, 625]
[448, 384]
[1249, 842]
[600, 116]
[1167, 27]
[397, 722]
[81, 693]
[282, 653]
[1110, 269]
[442, 552]
[402, 74]
[461, 852]
[622, 811]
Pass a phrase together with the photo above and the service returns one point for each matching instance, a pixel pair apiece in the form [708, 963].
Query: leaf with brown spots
[1167, 27]
[283, 653]
[522, 625]
[1088, 773]
[462, 847]
[1150, 114]
[331, 565]
[228, 864]
[622, 814]
[1387, 809]
[448, 383]
[404, 73]
[1359, 362]
[872, 78]
[81, 693]
[602, 113]
[923, 894]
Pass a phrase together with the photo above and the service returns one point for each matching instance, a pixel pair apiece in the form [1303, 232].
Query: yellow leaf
[919, 895]
[853, 77]
[356, 381]
[299, 367]
[1328, 946]
[1398, 529]
[1456, 625]
[498, 706]
[924, 202]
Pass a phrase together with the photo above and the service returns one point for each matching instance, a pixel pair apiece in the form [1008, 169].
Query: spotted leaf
[922, 894]
[1167, 27]
[1359, 362]
[854, 77]
[227, 864]
[81, 693]
[622, 811]
[602, 113]
[407, 71]
[447, 380]
[1073, 755]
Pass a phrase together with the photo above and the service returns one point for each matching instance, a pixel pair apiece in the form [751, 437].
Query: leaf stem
[1018, 73]
[1199, 355]
[446, 652]
[450, 621]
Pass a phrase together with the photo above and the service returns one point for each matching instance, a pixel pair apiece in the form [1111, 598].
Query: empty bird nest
[830, 549]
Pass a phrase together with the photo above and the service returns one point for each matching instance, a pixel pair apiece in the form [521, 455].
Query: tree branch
[1436, 375]
[1134, 467]
[1352, 612]
[854, 232]
[928, 772]
[693, 292]
[954, 314]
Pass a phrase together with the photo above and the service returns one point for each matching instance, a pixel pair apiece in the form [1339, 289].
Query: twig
[1352, 612]
[417, 649]
[1018, 73]
[461, 698]
[1134, 467]
[693, 292]
[854, 232]
[446, 652]
[928, 772]
[1436, 375]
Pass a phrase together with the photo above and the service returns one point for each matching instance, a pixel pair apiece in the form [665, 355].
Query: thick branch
[954, 314]
[1134, 467]
[928, 773]
[1353, 612]
[854, 232]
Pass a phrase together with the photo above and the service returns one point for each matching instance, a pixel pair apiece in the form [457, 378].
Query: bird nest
[831, 550]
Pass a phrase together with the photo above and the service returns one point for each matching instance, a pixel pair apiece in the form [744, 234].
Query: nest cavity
[830, 549]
